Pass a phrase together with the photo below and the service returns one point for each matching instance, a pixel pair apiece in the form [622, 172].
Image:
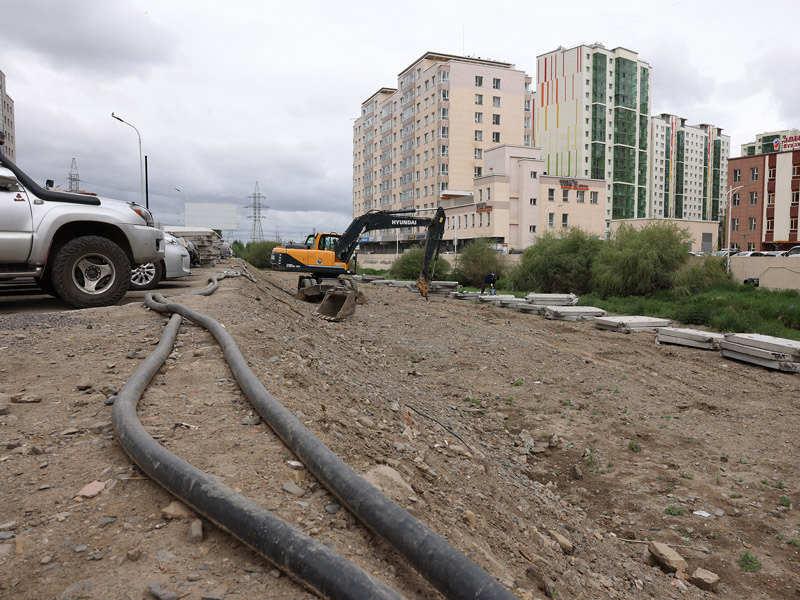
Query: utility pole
[74, 178]
[256, 232]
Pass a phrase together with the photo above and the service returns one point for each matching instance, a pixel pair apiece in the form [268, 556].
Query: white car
[174, 264]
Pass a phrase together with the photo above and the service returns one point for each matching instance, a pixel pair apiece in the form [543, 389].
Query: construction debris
[552, 299]
[694, 338]
[631, 324]
[764, 350]
[572, 313]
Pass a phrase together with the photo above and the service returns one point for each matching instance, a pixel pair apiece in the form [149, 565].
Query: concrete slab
[629, 324]
[694, 338]
[766, 342]
[552, 299]
[572, 313]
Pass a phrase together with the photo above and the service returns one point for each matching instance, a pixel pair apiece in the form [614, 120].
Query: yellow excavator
[327, 256]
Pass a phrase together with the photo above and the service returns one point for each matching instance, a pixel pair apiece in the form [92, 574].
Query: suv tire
[146, 276]
[91, 271]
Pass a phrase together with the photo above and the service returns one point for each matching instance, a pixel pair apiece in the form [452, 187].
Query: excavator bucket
[338, 304]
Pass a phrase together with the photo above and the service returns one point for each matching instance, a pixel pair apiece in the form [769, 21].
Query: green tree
[638, 262]
[258, 253]
[557, 263]
[409, 264]
[238, 249]
[475, 260]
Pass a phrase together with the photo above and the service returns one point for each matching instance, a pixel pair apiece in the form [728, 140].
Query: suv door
[16, 221]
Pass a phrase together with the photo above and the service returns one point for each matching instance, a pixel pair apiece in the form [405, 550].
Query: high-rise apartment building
[591, 119]
[773, 141]
[424, 140]
[689, 169]
[7, 121]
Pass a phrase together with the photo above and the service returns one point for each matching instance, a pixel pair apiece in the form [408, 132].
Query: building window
[754, 174]
[532, 228]
[496, 101]
[534, 175]
[478, 80]
[495, 119]
[551, 220]
[473, 219]
[444, 151]
[478, 135]
[488, 194]
[443, 169]
[737, 175]
[496, 83]
[478, 172]
[582, 196]
[594, 197]
[565, 195]
[444, 76]
[444, 132]
[478, 153]
[478, 98]
[496, 137]
[795, 198]
[479, 117]
[796, 171]
[770, 198]
[753, 198]
[770, 224]
[793, 224]
[551, 195]
[480, 195]
[532, 201]
[751, 224]
[734, 224]
[735, 199]
[771, 174]
[488, 219]
[444, 113]
[565, 220]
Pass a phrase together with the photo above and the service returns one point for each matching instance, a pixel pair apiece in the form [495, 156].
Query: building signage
[483, 207]
[572, 184]
[364, 239]
[789, 142]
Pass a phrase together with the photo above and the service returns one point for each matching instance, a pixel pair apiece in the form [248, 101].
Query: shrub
[640, 261]
[557, 263]
[700, 275]
[257, 253]
[409, 264]
[475, 260]
[749, 563]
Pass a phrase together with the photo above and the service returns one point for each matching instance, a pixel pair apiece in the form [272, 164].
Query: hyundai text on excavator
[326, 256]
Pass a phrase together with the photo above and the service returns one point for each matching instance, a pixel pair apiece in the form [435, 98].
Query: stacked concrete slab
[496, 299]
[764, 350]
[464, 296]
[693, 338]
[552, 299]
[572, 313]
[631, 324]
[442, 288]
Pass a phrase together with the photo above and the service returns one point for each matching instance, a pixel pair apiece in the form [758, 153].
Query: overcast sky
[225, 94]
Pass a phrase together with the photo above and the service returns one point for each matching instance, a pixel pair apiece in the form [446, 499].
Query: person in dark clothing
[489, 280]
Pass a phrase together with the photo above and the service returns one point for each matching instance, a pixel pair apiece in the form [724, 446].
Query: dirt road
[550, 453]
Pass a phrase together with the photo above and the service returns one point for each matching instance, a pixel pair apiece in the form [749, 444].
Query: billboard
[211, 215]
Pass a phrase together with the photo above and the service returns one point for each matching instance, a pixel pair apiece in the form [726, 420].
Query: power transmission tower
[256, 233]
[73, 177]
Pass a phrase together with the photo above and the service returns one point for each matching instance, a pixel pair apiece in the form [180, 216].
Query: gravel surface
[550, 453]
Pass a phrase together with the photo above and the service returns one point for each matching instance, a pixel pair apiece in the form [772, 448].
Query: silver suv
[79, 247]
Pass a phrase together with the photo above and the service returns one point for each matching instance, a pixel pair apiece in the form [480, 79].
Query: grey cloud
[112, 38]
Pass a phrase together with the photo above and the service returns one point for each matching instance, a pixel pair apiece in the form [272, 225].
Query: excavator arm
[395, 219]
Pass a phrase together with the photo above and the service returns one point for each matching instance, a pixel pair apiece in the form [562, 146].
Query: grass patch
[749, 563]
[634, 446]
[675, 511]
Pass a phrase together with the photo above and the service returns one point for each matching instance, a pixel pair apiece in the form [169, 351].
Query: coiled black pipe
[452, 573]
[303, 558]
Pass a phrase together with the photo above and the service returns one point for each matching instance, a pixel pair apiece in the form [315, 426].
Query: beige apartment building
[773, 141]
[423, 142]
[7, 121]
[514, 202]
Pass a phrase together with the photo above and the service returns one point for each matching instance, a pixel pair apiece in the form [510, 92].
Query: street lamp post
[730, 201]
[141, 161]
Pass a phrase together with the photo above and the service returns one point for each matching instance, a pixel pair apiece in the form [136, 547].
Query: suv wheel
[91, 271]
[146, 277]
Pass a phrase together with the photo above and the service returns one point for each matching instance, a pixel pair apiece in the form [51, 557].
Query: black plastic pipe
[300, 556]
[447, 569]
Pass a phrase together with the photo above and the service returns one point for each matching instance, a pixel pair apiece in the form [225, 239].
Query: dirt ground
[550, 453]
